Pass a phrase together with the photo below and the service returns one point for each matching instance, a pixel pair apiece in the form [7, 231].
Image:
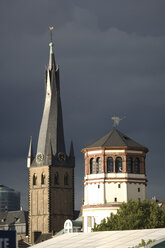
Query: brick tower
[114, 173]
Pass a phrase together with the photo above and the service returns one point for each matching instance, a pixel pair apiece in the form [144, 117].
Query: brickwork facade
[51, 198]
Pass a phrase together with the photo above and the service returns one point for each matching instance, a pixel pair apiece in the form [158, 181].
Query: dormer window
[3, 220]
[17, 220]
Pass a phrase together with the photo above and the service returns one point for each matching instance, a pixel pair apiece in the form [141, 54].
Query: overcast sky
[112, 62]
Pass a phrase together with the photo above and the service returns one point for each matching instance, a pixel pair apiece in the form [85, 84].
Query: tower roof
[115, 138]
[51, 135]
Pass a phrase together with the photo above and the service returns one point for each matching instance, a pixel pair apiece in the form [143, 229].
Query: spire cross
[117, 120]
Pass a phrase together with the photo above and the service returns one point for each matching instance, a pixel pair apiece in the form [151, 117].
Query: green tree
[134, 215]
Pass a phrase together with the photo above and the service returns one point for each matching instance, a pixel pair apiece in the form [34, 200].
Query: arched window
[98, 165]
[129, 165]
[56, 178]
[42, 179]
[34, 179]
[109, 164]
[66, 177]
[92, 166]
[118, 164]
[137, 165]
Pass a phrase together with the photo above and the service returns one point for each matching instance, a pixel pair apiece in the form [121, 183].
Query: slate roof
[51, 140]
[51, 136]
[13, 217]
[115, 138]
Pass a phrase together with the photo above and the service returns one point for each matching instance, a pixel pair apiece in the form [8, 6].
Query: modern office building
[9, 199]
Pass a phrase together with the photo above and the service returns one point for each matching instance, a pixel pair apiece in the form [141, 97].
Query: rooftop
[108, 239]
[11, 217]
[114, 138]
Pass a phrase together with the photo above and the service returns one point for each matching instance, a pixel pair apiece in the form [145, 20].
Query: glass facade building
[9, 199]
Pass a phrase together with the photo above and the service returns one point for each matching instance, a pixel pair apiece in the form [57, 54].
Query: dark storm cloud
[111, 56]
[142, 17]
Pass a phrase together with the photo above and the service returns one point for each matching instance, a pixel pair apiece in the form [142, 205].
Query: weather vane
[51, 28]
[117, 120]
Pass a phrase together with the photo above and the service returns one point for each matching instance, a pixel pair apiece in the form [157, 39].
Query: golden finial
[51, 28]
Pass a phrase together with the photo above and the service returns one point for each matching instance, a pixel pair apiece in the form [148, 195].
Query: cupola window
[118, 164]
[98, 165]
[92, 166]
[129, 165]
[109, 164]
[137, 166]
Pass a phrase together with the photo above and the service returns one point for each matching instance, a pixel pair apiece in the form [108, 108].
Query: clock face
[39, 157]
[61, 156]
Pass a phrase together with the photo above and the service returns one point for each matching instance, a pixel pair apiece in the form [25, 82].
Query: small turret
[30, 154]
[71, 154]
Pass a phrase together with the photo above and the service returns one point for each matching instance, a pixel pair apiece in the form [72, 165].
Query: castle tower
[114, 173]
[51, 170]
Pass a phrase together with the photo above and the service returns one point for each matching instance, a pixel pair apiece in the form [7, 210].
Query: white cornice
[114, 151]
[94, 152]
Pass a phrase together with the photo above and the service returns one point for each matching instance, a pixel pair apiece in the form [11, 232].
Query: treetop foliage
[134, 215]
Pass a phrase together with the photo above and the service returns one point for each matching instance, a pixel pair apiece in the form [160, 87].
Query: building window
[109, 164]
[92, 166]
[118, 164]
[42, 179]
[34, 179]
[138, 189]
[56, 178]
[129, 165]
[66, 179]
[98, 165]
[115, 200]
[119, 186]
[98, 186]
[137, 166]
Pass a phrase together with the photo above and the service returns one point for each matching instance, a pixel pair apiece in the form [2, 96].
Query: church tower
[114, 173]
[51, 170]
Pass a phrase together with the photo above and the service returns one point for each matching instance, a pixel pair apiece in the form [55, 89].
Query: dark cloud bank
[112, 61]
